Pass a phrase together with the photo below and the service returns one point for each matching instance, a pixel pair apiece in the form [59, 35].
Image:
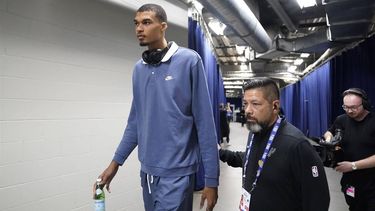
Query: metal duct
[313, 43]
[345, 27]
[316, 42]
[238, 16]
[354, 24]
[279, 10]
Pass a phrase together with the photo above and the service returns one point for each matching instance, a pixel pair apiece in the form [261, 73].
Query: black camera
[330, 152]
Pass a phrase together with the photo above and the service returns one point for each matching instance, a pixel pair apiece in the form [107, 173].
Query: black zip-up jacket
[293, 176]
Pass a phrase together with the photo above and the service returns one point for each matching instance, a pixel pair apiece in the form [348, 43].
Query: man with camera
[358, 150]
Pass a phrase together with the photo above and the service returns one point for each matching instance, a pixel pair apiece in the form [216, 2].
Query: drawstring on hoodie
[148, 182]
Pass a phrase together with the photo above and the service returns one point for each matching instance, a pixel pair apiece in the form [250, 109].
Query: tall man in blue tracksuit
[171, 121]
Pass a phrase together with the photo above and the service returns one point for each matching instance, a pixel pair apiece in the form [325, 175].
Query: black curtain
[353, 68]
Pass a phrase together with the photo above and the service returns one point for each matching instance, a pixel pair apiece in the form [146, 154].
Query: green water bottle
[99, 196]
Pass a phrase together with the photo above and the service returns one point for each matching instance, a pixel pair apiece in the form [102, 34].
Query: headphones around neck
[361, 93]
[154, 56]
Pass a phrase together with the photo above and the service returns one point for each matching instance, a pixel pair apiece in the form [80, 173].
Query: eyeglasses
[352, 108]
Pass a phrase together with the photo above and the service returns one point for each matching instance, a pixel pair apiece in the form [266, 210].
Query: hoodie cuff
[211, 182]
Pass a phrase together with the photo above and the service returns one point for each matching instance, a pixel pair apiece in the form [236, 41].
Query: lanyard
[265, 153]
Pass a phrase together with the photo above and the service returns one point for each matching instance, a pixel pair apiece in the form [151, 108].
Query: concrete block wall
[65, 94]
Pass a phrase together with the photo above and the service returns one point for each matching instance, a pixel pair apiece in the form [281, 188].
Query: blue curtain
[306, 104]
[221, 98]
[197, 42]
[313, 103]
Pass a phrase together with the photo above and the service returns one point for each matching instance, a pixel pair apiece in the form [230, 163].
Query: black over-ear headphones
[361, 93]
[154, 56]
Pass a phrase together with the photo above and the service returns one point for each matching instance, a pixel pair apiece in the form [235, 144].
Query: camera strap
[265, 153]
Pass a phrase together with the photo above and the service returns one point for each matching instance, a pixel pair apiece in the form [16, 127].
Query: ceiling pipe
[279, 10]
[238, 16]
[315, 42]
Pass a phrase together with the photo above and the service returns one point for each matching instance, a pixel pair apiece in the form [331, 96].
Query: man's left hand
[344, 167]
[209, 193]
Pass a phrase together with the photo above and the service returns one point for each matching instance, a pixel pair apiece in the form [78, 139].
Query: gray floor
[230, 179]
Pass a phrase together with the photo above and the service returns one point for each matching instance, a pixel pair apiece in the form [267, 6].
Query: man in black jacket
[281, 170]
[358, 150]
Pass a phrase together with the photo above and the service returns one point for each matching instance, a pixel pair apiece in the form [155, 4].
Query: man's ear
[276, 105]
[164, 26]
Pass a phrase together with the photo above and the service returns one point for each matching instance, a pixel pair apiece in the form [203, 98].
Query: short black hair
[355, 91]
[360, 93]
[269, 86]
[157, 9]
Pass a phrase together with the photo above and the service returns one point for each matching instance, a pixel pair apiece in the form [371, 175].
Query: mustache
[248, 117]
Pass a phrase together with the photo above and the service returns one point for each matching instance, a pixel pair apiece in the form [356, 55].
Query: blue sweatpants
[167, 193]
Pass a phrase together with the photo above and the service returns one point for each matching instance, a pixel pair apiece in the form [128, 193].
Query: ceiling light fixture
[304, 55]
[233, 87]
[217, 27]
[286, 60]
[306, 3]
[298, 61]
[233, 83]
[242, 59]
[292, 68]
[240, 49]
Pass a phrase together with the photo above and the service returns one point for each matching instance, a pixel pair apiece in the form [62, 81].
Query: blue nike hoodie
[171, 119]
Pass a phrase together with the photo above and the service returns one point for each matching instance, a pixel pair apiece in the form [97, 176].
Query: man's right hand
[328, 137]
[209, 194]
[107, 176]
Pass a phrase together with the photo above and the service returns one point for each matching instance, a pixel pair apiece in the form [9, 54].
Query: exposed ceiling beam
[279, 10]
